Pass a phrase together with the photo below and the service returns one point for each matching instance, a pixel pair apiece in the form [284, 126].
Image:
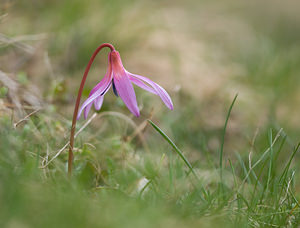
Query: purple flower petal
[99, 90]
[87, 110]
[99, 100]
[158, 89]
[90, 99]
[88, 107]
[126, 92]
[123, 85]
[141, 84]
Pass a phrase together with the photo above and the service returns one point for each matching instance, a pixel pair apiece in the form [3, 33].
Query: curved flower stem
[87, 69]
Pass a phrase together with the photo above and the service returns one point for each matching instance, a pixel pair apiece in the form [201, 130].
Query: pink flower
[121, 81]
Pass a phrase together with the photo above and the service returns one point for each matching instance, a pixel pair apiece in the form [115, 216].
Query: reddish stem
[87, 69]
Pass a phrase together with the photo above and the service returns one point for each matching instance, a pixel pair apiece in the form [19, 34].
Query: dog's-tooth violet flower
[121, 81]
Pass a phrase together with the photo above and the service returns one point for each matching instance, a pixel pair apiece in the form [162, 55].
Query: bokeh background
[202, 52]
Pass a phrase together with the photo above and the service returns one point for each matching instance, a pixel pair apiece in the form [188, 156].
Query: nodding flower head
[121, 81]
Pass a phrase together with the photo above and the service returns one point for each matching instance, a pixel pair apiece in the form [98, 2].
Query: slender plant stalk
[87, 69]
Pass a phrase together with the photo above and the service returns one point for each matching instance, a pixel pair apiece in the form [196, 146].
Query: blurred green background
[201, 52]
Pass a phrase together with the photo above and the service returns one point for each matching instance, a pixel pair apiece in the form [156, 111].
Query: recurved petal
[141, 84]
[88, 102]
[86, 111]
[157, 88]
[99, 100]
[126, 92]
[88, 107]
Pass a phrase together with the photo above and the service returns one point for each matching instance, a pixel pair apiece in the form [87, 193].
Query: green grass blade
[244, 168]
[177, 150]
[233, 174]
[271, 159]
[223, 137]
[287, 167]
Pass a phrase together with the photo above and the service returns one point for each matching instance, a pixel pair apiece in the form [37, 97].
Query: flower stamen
[114, 88]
